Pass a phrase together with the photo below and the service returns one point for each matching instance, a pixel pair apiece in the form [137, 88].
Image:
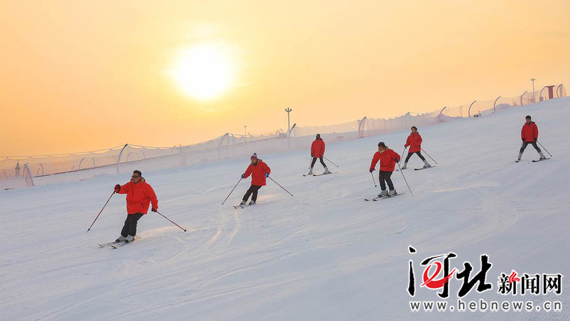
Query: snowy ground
[324, 254]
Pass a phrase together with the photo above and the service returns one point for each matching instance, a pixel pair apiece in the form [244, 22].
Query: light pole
[533, 95]
[288, 110]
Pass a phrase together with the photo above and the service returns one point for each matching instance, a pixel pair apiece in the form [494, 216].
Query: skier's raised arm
[123, 189]
[266, 169]
[375, 160]
[248, 172]
[153, 199]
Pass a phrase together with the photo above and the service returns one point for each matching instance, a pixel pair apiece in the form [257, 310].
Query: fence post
[440, 112]
[27, 168]
[469, 111]
[119, 158]
[220, 145]
[522, 97]
[495, 104]
[361, 126]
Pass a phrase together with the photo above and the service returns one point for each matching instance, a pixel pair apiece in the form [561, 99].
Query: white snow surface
[324, 254]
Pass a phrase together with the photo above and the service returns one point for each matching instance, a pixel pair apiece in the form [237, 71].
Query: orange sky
[82, 75]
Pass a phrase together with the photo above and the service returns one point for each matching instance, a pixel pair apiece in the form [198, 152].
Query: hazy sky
[82, 75]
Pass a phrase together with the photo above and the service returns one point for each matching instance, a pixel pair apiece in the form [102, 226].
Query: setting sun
[205, 71]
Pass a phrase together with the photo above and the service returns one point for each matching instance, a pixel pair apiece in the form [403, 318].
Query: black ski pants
[525, 144]
[130, 227]
[385, 179]
[315, 160]
[253, 189]
[410, 155]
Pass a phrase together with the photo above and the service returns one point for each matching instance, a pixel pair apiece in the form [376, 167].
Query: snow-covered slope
[324, 254]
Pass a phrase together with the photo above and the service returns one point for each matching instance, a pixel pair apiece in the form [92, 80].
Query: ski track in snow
[324, 254]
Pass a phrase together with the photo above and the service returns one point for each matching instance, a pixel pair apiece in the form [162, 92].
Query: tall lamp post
[533, 95]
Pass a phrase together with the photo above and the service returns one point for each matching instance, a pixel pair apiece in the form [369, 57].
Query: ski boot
[327, 170]
[384, 193]
[310, 172]
[129, 239]
[542, 155]
[392, 193]
[252, 203]
[242, 203]
[120, 239]
[426, 165]
[405, 166]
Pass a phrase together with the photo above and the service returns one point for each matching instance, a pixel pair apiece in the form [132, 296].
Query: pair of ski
[378, 198]
[115, 244]
[421, 168]
[318, 174]
[242, 206]
[535, 160]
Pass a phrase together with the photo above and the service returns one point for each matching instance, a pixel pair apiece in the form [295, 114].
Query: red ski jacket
[257, 173]
[318, 148]
[139, 196]
[415, 142]
[387, 160]
[529, 132]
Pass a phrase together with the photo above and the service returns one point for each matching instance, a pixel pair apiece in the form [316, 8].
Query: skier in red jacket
[415, 143]
[318, 151]
[259, 171]
[388, 159]
[529, 135]
[139, 196]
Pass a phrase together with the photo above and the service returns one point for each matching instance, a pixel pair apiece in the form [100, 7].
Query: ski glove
[242, 175]
[154, 209]
[397, 160]
[371, 170]
[266, 174]
[117, 188]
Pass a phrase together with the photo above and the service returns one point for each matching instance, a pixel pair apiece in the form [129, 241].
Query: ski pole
[544, 148]
[231, 191]
[429, 156]
[100, 212]
[373, 179]
[331, 161]
[171, 221]
[280, 185]
[406, 180]
[403, 153]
